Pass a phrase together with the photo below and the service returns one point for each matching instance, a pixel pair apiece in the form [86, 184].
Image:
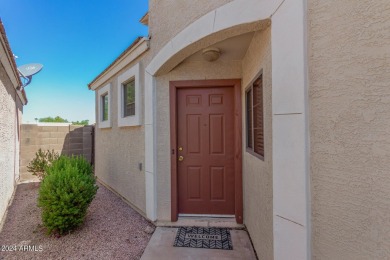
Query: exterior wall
[349, 59]
[291, 212]
[119, 150]
[19, 105]
[289, 192]
[68, 140]
[197, 70]
[257, 173]
[169, 17]
[10, 109]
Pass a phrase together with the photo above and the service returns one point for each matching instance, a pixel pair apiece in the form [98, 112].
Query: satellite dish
[28, 70]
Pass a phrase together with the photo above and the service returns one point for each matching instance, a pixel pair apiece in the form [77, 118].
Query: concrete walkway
[161, 247]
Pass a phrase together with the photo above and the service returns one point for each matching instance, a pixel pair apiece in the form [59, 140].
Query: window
[249, 118]
[104, 109]
[255, 117]
[129, 97]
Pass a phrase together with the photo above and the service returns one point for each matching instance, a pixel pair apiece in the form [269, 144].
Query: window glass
[255, 118]
[105, 107]
[258, 135]
[129, 98]
[249, 118]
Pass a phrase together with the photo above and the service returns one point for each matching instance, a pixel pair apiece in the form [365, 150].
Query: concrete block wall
[66, 140]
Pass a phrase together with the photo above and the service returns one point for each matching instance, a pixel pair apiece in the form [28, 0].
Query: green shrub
[42, 160]
[65, 194]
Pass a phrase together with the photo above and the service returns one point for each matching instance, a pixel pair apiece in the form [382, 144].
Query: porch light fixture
[211, 54]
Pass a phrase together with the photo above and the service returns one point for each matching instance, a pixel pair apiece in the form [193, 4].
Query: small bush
[65, 194]
[42, 160]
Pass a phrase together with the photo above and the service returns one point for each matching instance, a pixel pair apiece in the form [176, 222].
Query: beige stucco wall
[115, 164]
[257, 173]
[167, 18]
[349, 78]
[197, 70]
[119, 150]
[10, 108]
[20, 106]
[111, 143]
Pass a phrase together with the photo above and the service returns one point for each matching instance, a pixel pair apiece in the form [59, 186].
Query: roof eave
[22, 96]
[9, 60]
[145, 19]
[138, 47]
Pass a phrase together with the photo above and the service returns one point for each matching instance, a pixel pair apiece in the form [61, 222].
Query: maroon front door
[205, 152]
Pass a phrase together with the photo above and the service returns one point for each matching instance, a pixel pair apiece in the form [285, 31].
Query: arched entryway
[291, 215]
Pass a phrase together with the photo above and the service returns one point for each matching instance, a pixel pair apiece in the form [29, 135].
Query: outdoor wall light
[211, 54]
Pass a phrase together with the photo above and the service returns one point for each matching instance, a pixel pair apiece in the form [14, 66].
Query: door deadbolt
[180, 148]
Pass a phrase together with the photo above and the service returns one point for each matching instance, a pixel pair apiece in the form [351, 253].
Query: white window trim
[133, 72]
[101, 92]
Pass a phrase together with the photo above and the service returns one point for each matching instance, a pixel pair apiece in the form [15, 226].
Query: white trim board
[101, 92]
[133, 72]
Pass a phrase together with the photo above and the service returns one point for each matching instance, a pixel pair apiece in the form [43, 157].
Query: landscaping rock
[149, 230]
[112, 230]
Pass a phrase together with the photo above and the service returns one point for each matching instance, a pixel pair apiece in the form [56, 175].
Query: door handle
[181, 158]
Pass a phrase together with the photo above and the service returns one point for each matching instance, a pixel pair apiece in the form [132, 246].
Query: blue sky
[75, 40]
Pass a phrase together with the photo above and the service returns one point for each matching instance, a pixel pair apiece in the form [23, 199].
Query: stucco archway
[215, 26]
[289, 72]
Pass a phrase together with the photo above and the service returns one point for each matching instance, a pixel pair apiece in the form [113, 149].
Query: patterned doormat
[201, 237]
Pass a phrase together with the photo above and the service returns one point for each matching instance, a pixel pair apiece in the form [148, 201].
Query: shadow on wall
[62, 138]
[79, 141]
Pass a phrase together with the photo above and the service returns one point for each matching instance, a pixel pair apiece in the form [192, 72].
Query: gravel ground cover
[112, 230]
